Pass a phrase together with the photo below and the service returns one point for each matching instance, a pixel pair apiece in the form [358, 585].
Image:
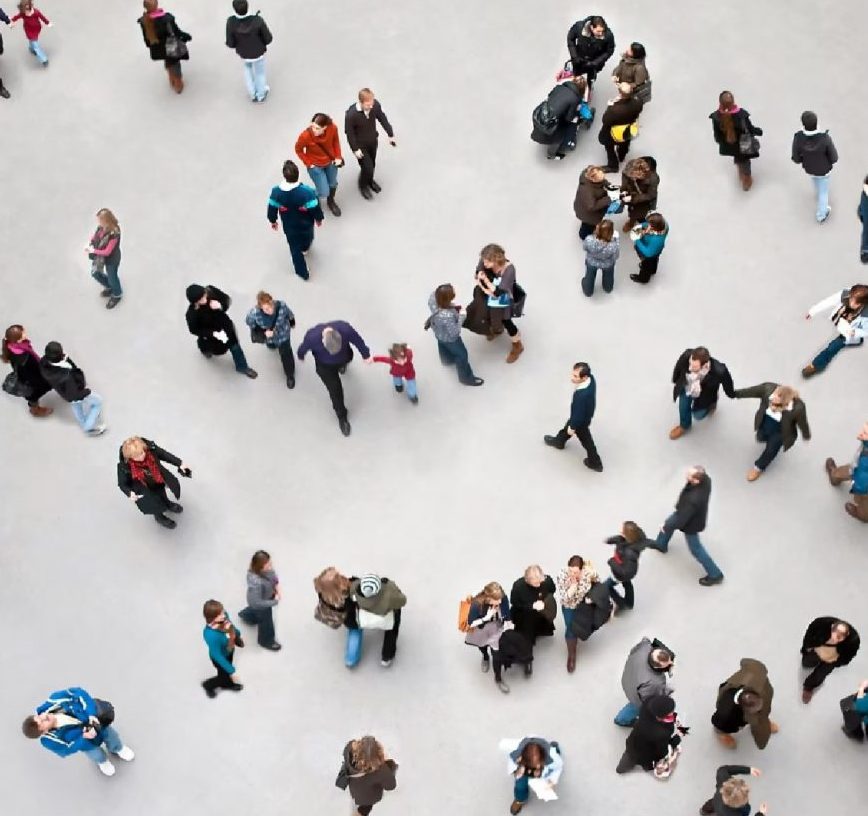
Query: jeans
[625, 601]
[109, 278]
[325, 179]
[112, 742]
[568, 614]
[238, 358]
[412, 393]
[821, 670]
[87, 411]
[367, 163]
[263, 618]
[331, 379]
[583, 434]
[825, 356]
[298, 245]
[355, 638]
[770, 433]
[254, 76]
[821, 186]
[627, 715]
[456, 352]
[687, 413]
[693, 544]
[521, 788]
[591, 278]
[36, 50]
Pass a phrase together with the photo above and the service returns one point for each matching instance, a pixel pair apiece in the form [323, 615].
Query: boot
[572, 644]
[746, 180]
[332, 204]
[515, 352]
[831, 467]
[628, 225]
[40, 411]
[3, 92]
[176, 82]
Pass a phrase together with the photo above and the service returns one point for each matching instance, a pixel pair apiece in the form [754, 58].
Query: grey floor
[453, 493]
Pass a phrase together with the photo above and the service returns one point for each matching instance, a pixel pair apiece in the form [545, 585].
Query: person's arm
[264, 589]
[65, 747]
[16, 17]
[350, 128]
[552, 772]
[572, 35]
[757, 131]
[274, 207]
[335, 143]
[381, 118]
[378, 359]
[356, 339]
[755, 391]
[680, 367]
[826, 303]
[681, 516]
[601, 60]
[215, 651]
[125, 480]
[4, 17]
[164, 455]
[231, 42]
[250, 320]
[42, 17]
[802, 421]
[797, 149]
[301, 150]
[848, 649]
[641, 76]
[726, 381]
[724, 772]
[504, 609]
[265, 32]
[108, 248]
[304, 347]
[831, 151]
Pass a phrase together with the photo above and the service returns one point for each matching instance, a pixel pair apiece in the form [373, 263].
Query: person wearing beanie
[68, 380]
[249, 36]
[732, 795]
[581, 413]
[862, 212]
[646, 674]
[816, 152]
[745, 699]
[375, 603]
[656, 735]
[857, 473]
[215, 332]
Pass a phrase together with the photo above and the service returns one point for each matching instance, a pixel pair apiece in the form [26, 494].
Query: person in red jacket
[320, 151]
[33, 20]
[400, 362]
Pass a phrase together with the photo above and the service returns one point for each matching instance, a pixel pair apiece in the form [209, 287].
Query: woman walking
[532, 760]
[263, 594]
[165, 41]
[104, 251]
[735, 135]
[489, 611]
[26, 379]
[319, 149]
[367, 773]
[848, 317]
[446, 321]
[143, 479]
[601, 253]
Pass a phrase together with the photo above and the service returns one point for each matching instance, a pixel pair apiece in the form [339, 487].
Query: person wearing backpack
[270, 322]
[556, 120]
[618, 122]
[816, 153]
[248, 34]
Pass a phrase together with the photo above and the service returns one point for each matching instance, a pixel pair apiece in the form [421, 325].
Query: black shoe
[333, 206]
[345, 427]
[249, 372]
[399, 388]
[707, 580]
[3, 92]
[528, 669]
[174, 507]
[474, 381]
[637, 279]
[859, 735]
[209, 691]
[165, 521]
[343, 369]
[290, 382]
[375, 187]
[236, 687]
[366, 193]
[112, 302]
[207, 355]
[414, 400]
[552, 442]
[597, 467]
[273, 647]
[106, 292]
[864, 257]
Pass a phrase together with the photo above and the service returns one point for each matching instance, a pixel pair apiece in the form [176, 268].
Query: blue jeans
[325, 179]
[821, 186]
[238, 358]
[825, 356]
[411, 386]
[298, 245]
[112, 742]
[693, 544]
[627, 715]
[456, 352]
[87, 411]
[568, 614]
[687, 413]
[254, 76]
[591, 277]
[109, 278]
[521, 788]
[353, 650]
[36, 50]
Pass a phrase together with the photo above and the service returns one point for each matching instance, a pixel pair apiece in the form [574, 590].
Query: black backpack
[545, 123]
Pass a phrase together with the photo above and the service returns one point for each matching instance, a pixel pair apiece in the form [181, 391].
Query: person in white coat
[850, 319]
[535, 764]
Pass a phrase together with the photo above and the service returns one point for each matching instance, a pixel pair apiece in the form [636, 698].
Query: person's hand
[756, 772]
[274, 225]
[49, 25]
[88, 249]
[277, 594]
[368, 360]
[89, 733]
[570, 432]
[318, 223]
[763, 808]
[519, 772]
[215, 304]
[185, 470]
[808, 316]
[358, 154]
[538, 606]
[233, 678]
[134, 497]
[338, 162]
[269, 333]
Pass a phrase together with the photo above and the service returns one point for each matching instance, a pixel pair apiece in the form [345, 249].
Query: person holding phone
[221, 637]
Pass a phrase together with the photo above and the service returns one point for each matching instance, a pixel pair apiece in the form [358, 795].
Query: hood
[813, 139]
[246, 25]
[633, 60]
[515, 756]
[753, 674]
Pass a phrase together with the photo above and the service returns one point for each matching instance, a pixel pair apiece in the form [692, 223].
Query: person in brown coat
[622, 111]
[592, 199]
[745, 699]
[632, 70]
[367, 773]
[639, 183]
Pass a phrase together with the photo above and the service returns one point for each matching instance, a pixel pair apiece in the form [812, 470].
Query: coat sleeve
[265, 33]
[4, 17]
[816, 634]
[572, 35]
[164, 455]
[755, 391]
[300, 150]
[726, 381]
[802, 421]
[381, 118]
[826, 303]
[680, 368]
[831, 151]
[350, 129]
[231, 42]
[797, 149]
[335, 143]
[356, 339]
[850, 648]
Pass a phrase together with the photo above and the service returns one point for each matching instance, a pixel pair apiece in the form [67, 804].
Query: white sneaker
[385, 663]
[98, 430]
[126, 754]
[107, 768]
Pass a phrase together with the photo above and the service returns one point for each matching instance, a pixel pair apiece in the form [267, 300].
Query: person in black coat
[655, 732]
[533, 606]
[26, 379]
[691, 513]
[248, 34]
[4, 17]
[581, 413]
[697, 378]
[816, 153]
[360, 126]
[215, 332]
[165, 41]
[593, 612]
[68, 381]
[567, 106]
[732, 795]
[621, 112]
[590, 43]
[732, 129]
[144, 479]
[624, 564]
[827, 644]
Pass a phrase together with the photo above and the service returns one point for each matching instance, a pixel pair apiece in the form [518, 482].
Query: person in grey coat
[816, 152]
[646, 672]
[446, 321]
[263, 594]
[601, 252]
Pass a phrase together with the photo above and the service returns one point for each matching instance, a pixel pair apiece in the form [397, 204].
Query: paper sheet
[541, 788]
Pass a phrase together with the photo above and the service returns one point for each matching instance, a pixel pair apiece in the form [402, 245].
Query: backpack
[544, 121]
[464, 614]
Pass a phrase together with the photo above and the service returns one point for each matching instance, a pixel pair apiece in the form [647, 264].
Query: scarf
[101, 238]
[148, 468]
[732, 111]
[23, 347]
[694, 380]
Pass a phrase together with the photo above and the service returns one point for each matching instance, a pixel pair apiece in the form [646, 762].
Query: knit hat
[195, 292]
[370, 585]
[661, 706]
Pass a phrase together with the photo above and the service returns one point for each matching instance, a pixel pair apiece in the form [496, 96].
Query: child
[400, 362]
[650, 238]
[33, 20]
[625, 562]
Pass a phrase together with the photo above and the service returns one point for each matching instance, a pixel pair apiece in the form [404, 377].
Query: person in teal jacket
[857, 473]
[856, 717]
[221, 636]
[650, 240]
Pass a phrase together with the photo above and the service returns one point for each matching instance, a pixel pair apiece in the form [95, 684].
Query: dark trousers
[616, 152]
[331, 378]
[770, 433]
[173, 66]
[161, 500]
[456, 352]
[287, 358]
[624, 601]
[564, 139]
[511, 328]
[583, 434]
[863, 251]
[263, 618]
[390, 639]
[367, 163]
[585, 230]
[299, 243]
[364, 810]
[820, 671]
[222, 680]
[647, 267]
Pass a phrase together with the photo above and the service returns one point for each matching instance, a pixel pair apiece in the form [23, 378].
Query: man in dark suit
[581, 412]
[697, 379]
[360, 126]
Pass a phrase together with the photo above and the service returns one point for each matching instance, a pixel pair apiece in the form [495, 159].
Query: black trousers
[616, 152]
[647, 267]
[390, 639]
[364, 810]
[331, 378]
[287, 358]
[263, 618]
[583, 434]
[368, 163]
[222, 679]
[820, 671]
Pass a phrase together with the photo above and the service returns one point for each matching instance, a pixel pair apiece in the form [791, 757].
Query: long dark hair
[258, 562]
[727, 125]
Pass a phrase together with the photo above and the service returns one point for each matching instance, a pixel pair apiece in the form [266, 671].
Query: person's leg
[92, 409]
[585, 230]
[861, 503]
[648, 267]
[629, 595]
[701, 555]
[821, 186]
[626, 763]
[287, 360]
[372, 155]
[111, 739]
[390, 639]
[96, 754]
[583, 434]
[265, 633]
[249, 79]
[627, 715]
[412, 392]
[366, 175]
[608, 279]
[462, 362]
[446, 356]
[774, 441]
[238, 358]
[259, 81]
[332, 381]
[611, 155]
[353, 650]
[497, 666]
[589, 279]
[662, 541]
[643, 276]
[863, 249]
[616, 597]
[622, 150]
[112, 279]
[330, 171]
[99, 276]
[685, 411]
[568, 614]
[320, 182]
[297, 247]
[398, 383]
[827, 354]
[78, 412]
[223, 677]
[521, 789]
[815, 679]
[37, 51]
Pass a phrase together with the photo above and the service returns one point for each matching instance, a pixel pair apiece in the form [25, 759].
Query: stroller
[558, 118]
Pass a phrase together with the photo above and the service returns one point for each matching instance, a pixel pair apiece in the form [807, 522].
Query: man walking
[299, 209]
[745, 699]
[249, 36]
[697, 379]
[270, 323]
[691, 513]
[213, 328]
[645, 674]
[68, 380]
[816, 153]
[360, 125]
[581, 412]
[857, 473]
[615, 134]
[329, 343]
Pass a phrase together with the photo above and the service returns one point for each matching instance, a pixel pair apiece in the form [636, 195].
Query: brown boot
[830, 471]
[809, 370]
[516, 807]
[515, 352]
[677, 432]
[40, 411]
[628, 225]
[572, 644]
[726, 740]
[175, 81]
[746, 180]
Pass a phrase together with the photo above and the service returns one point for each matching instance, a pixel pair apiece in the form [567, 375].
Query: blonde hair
[491, 591]
[133, 447]
[332, 586]
[534, 571]
[114, 227]
[735, 792]
[785, 394]
[365, 93]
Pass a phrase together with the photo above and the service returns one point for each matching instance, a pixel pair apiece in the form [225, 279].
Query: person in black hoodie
[367, 772]
[625, 562]
[827, 644]
[590, 43]
[165, 41]
[816, 153]
[68, 380]
[567, 105]
[733, 131]
[248, 34]
[696, 379]
[360, 126]
[215, 332]
[621, 112]
[4, 17]
[655, 732]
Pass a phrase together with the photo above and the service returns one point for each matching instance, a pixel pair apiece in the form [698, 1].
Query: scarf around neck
[148, 468]
[694, 380]
[23, 347]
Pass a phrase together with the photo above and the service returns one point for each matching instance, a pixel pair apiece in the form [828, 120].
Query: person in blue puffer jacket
[857, 473]
[650, 238]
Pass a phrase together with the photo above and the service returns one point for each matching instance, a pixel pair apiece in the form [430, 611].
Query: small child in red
[400, 362]
[33, 20]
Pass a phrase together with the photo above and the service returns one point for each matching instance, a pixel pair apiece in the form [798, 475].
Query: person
[745, 699]
[165, 41]
[590, 43]
[601, 253]
[208, 321]
[632, 70]
[624, 564]
[4, 91]
[565, 108]
[33, 19]
[221, 637]
[639, 185]
[445, 323]
[104, 251]
[335, 609]
[594, 611]
[856, 713]
[29, 381]
[649, 239]
[376, 603]
[646, 674]
[319, 149]
[850, 319]
[263, 594]
[690, 516]
[857, 473]
[486, 620]
[143, 479]
[734, 133]
[862, 212]
[360, 127]
[828, 643]
[329, 345]
[68, 382]
[532, 759]
[71, 721]
[656, 735]
[696, 382]
[816, 153]
[780, 413]
[400, 362]
[248, 34]
[533, 605]
[512, 648]
[299, 209]
[573, 583]
[270, 322]
[592, 199]
[732, 795]
[367, 773]
[619, 126]
[582, 409]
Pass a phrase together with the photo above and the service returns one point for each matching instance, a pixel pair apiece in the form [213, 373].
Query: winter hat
[370, 585]
[195, 292]
[661, 706]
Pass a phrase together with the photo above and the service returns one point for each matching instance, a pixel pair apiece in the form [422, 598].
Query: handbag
[486, 635]
[327, 614]
[643, 92]
[550, 608]
[13, 385]
[257, 333]
[368, 620]
[624, 133]
[175, 48]
[748, 144]
[663, 768]
[105, 712]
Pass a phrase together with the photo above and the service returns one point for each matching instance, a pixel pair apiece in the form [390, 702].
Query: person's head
[604, 230]
[370, 585]
[782, 396]
[857, 297]
[698, 358]
[660, 659]
[366, 99]
[332, 585]
[241, 7]
[319, 123]
[367, 755]
[580, 373]
[735, 792]
[213, 612]
[26, 6]
[332, 340]
[695, 474]
[492, 594]
[625, 90]
[636, 50]
[197, 294]
[398, 351]
[661, 707]
[840, 632]
[534, 575]
[637, 169]
[107, 220]
[134, 449]
[265, 302]
[290, 171]
[809, 120]
[14, 334]
[581, 83]
[261, 562]
[575, 566]
[632, 532]
[863, 433]
[594, 173]
[598, 27]
[444, 294]
[36, 725]
[54, 352]
[657, 222]
[750, 702]
[533, 756]
[492, 256]
[726, 101]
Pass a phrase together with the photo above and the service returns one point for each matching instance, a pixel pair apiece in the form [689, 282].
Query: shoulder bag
[257, 333]
[328, 614]
[176, 48]
[748, 144]
[14, 386]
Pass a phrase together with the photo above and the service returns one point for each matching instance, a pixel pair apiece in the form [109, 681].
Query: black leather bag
[14, 386]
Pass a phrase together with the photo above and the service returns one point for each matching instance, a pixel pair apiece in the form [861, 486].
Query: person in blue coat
[857, 473]
[650, 239]
[70, 721]
[581, 412]
[299, 209]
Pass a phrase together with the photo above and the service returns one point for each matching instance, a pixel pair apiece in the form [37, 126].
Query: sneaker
[503, 687]
[809, 370]
[265, 95]
[106, 768]
[807, 694]
[707, 580]
[112, 302]
[385, 663]
[126, 754]
[399, 388]
[97, 430]
[826, 216]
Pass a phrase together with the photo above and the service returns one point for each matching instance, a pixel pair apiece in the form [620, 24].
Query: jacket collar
[287, 186]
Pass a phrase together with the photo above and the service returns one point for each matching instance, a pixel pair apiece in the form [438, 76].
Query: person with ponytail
[165, 41]
[28, 381]
[733, 132]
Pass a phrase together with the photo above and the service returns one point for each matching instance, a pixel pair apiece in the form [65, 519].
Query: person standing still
[221, 637]
[299, 209]
[248, 34]
[816, 153]
[582, 410]
[270, 322]
[618, 120]
[360, 126]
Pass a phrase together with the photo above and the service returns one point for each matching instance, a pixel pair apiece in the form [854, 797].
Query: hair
[576, 561]
[727, 102]
[632, 532]
[148, 26]
[843, 624]
[605, 230]
[105, 212]
[595, 169]
[637, 169]
[493, 253]
[860, 292]
[581, 82]
[597, 21]
[785, 394]
[31, 728]
[258, 562]
[290, 171]
[332, 340]
[365, 93]
[638, 50]
[321, 119]
[263, 298]
[809, 120]
[750, 701]
[532, 756]
[53, 352]
[735, 792]
[491, 591]
[398, 350]
[132, 447]
[444, 294]
[332, 586]
[661, 657]
[240, 6]
[657, 222]
[583, 368]
[212, 609]
[367, 755]
[25, 5]
[532, 570]
[700, 353]
[696, 470]
[13, 335]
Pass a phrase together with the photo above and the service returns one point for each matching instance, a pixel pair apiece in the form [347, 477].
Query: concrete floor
[459, 490]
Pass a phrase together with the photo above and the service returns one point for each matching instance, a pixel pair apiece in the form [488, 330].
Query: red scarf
[148, 467]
